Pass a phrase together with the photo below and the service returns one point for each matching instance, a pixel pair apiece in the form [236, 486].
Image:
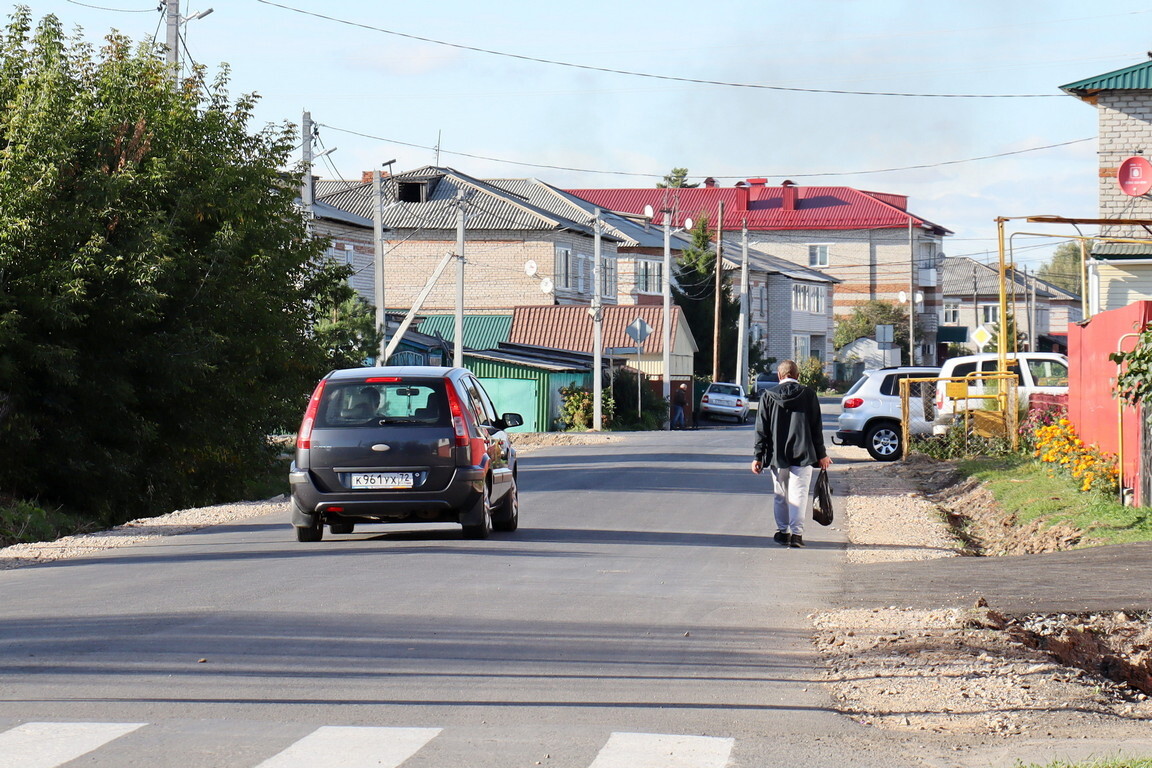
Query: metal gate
[515, 395]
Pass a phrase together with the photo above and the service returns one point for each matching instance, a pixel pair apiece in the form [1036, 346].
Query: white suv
[870, 411]
[1036, 373]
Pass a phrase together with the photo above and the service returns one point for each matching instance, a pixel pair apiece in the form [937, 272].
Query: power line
[651, 76]
[115, 10]
[661, 175]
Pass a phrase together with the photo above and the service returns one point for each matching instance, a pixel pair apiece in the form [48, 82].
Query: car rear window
[369, 403]
[856, 387]
[1048, 373]
[725, 389]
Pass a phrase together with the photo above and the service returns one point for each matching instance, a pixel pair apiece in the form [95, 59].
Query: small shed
[528, 381]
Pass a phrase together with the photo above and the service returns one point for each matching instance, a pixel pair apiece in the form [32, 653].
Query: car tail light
[739, 403]
[304, 437]
[460, 422]
[382, 380]
[704, 399]
[852, 402]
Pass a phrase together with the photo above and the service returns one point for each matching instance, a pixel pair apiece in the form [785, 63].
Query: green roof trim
[480, 331]
[1137, 77]
[1119, 251]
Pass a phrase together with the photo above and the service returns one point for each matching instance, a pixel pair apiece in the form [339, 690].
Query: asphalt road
[641, 617]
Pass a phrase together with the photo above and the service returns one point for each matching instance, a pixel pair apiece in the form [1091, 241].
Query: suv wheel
[509, 517]
[883, 441]
[483, 529]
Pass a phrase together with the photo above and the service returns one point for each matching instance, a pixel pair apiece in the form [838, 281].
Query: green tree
[862, 322]
[1064, 269]
[158, 287]
[677, 178]
[694, 291]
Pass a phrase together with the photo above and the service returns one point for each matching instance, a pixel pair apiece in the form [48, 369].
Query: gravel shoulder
[966, 671]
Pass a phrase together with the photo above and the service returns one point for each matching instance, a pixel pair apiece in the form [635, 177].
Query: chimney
[365, 177]
[789, 203]
[757, 182]
[709, 182]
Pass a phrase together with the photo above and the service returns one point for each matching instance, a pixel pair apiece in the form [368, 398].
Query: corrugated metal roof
[763, 207]
[957, 273]
[766, 262]
[488, 207]
[1121, 251]
[569, 326]
[1137, 77]
[480, 331]
[632, 233]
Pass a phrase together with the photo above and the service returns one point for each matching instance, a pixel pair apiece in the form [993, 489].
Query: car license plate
[381, 479]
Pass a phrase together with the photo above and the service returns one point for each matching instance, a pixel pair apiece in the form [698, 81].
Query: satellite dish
[546, 285]
[530, 268]
[688, 223]
[902, 296]
[648, 212]
[919, 297]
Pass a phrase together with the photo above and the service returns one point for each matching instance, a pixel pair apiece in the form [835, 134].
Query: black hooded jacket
[789, 428]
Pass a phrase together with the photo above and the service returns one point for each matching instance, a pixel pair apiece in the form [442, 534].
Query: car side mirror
[509, 420]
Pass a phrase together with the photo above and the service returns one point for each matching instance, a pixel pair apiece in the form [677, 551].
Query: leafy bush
[812, 374]
[653, 408]
[24, 521]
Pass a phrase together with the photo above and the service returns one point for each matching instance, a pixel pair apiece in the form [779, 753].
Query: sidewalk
[1094, 579]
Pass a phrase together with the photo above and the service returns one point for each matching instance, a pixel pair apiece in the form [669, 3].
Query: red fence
[1092, 404]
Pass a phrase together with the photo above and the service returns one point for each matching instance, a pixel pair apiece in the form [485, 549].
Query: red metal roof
[766, 208]
[569, 326]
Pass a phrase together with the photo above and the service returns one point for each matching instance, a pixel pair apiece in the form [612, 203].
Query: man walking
[679, 404]
[790, 442]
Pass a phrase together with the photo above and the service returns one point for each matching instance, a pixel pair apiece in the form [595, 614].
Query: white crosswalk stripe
[655, 750]
[353, 747]
[46, 745]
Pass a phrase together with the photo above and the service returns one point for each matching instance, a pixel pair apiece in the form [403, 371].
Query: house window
[817, 255]
[607, 276]
[990, 313]
[581, 276]
[801, 348]
[808, 298]
[799, 298]
[564, 267]
[951, 314]
[649, 276]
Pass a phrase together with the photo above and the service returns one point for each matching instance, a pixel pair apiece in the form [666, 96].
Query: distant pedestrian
[679, 403]
[790, 442]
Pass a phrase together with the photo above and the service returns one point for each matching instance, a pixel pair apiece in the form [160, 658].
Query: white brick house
[1120, 273]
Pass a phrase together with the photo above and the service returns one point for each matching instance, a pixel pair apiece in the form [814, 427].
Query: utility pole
[597, 331]
[306, 188]
[666, 288]
[458, 335]
[717, 289]
[911, 296]
[172, 15]
[742, 352]
[378, 261]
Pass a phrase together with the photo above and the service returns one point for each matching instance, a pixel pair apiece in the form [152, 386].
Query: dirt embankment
[975, 671]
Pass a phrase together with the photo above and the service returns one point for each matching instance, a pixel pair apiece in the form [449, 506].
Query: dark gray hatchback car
[408, 444]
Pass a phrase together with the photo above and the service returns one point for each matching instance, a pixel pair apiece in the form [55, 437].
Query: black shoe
[796, 541]
[781, 538]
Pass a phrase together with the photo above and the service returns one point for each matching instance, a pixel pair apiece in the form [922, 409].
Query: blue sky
[626, 130]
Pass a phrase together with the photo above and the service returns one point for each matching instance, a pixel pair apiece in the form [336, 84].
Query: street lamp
[667, 290]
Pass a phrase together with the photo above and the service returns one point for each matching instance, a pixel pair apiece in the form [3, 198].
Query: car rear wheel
[508, 518]
[483, 529]
[314, 532]
[884, 441]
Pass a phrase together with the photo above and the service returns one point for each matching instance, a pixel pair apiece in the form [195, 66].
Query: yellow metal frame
[962, 385]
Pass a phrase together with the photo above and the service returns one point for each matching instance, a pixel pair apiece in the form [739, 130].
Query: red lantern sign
[1135, 176]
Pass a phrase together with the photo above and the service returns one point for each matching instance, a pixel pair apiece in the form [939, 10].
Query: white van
[1036, 373]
